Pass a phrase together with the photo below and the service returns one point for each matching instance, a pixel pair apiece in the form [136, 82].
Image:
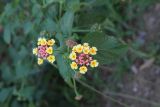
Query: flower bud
[70, 43]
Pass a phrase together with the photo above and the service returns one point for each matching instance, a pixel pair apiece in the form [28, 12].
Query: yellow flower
[43, 41]
[73, 56]
[83, 69]
[35, 51]
[80, 53]
[51, 58]
[86, 50]
[93, 51]
[74, 65]
[39, 41]
[40, 61]
[49, 50]
[86, 45]
[79, 48]
[74, 48]
[94, 63]
[51, 42]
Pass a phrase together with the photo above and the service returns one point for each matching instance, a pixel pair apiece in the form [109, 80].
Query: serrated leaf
[109, 48]
[66, 23]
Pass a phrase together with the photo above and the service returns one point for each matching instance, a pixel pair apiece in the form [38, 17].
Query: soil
[143, 80]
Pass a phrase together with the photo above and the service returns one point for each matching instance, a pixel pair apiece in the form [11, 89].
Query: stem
[134, 51]
[138, 53]
[22, 84]
[100, 93]
[54, 65]
[118, 94]
[134, 98]
[75, 87]
[110, 93]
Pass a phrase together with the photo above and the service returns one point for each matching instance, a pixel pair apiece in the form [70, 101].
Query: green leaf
[15, 103]
[22, 54]
[36, 11]
[7, 34]
[49, 25]
[64, 69]
[60, 38]
[73, 5]
[4, 94]
[6, 72]
[27, 92]
[66, 23]
[28, 26]
[109, 25]
[109, 48]
[22, 70]
[9, 10]
[12, 52]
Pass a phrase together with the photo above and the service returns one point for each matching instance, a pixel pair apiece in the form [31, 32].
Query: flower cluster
[44, 50]
[82, 57]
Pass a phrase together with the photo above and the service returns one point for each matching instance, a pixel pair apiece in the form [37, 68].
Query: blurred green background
[25, 84]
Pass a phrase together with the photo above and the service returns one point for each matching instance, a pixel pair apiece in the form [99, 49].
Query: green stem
[118, 94]
[134, 51]
[75, 87]
[22, 84]
[100, 93]
[54, 65]
[134, 98]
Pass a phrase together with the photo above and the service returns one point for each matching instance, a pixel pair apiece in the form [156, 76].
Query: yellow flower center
[83, 69]
[79, 48]
[51, 58]
[94, 63]
[93, 51]
[40, 61]
[73, 56]
[49, 50]
[74, 65]
[50, 42]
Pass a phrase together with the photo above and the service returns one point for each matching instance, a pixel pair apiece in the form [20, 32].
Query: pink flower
[83, 59]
